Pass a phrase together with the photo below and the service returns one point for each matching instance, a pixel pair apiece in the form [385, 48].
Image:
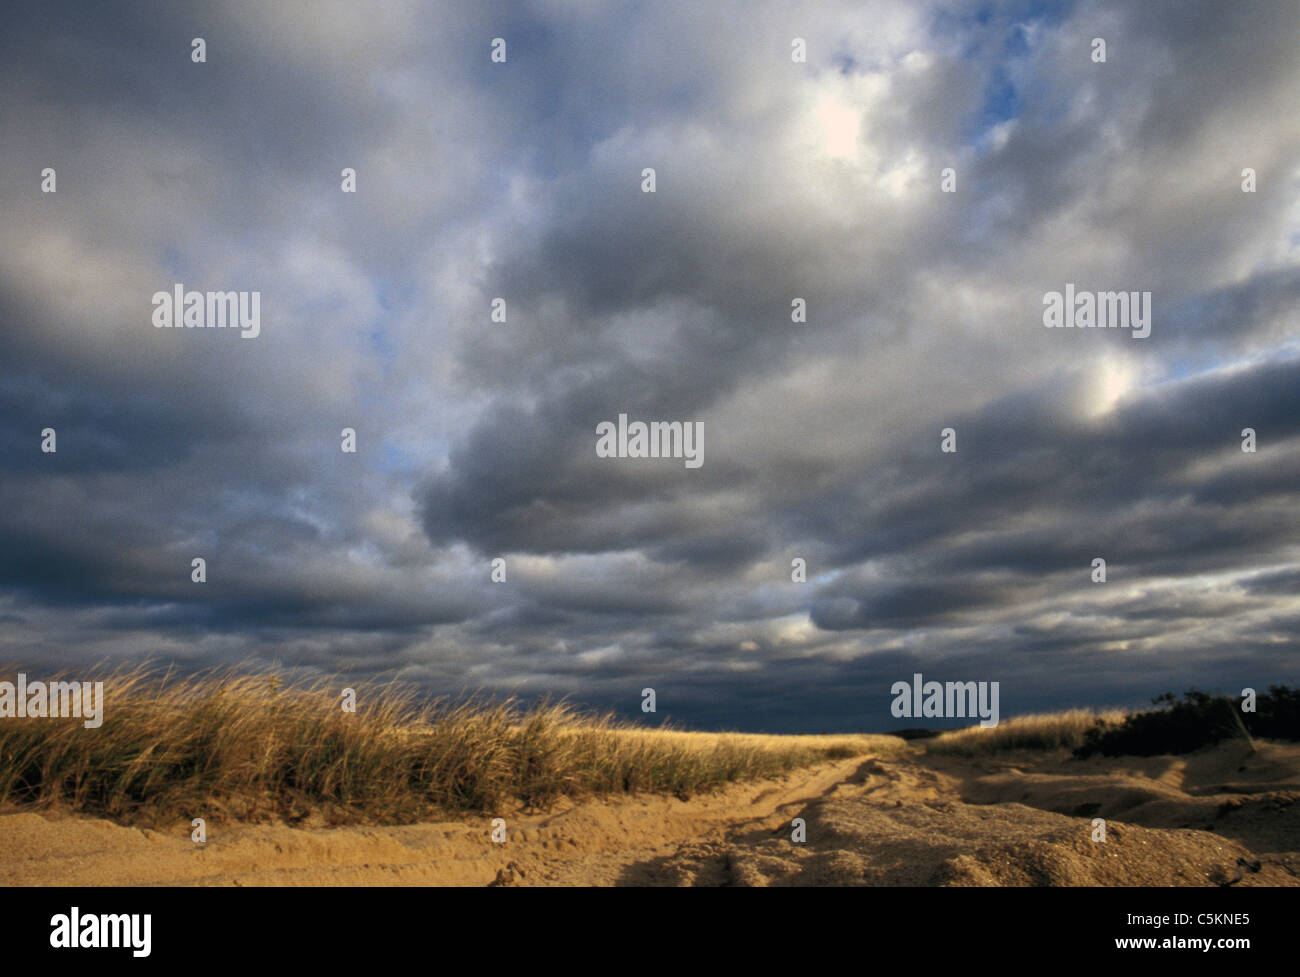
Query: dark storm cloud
[476, 438]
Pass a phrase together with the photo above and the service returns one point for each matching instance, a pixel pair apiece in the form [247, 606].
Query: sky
[776, 179]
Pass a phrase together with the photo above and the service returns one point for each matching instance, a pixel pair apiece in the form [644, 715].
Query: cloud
[776, 180]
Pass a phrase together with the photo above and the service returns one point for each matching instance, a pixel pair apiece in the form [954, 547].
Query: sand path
[1222, 818]
[593, 841]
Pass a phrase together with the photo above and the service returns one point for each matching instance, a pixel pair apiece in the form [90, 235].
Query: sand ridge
[1221, 817]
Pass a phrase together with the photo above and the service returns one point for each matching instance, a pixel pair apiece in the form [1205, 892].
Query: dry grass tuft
[1046, 731]
[252, 746]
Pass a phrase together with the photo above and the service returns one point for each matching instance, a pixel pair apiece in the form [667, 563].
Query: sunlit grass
[251, 745]
[1045, 731]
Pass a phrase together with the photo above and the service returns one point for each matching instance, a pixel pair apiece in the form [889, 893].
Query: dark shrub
[1199, 720]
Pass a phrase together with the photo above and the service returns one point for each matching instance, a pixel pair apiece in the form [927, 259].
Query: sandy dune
[1219, 818]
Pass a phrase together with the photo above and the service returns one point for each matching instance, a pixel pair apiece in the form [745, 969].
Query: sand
[1221, 817]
